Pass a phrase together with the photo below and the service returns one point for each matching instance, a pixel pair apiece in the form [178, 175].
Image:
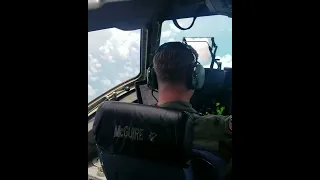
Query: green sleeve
[210, 130]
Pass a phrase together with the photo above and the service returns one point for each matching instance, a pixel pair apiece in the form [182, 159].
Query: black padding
[152, 81]
[198, 77]
[125, 168]
[172, 130]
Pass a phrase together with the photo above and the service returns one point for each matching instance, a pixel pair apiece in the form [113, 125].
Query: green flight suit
[211, 132]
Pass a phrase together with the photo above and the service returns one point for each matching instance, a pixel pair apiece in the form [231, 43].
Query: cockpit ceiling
[134, 14]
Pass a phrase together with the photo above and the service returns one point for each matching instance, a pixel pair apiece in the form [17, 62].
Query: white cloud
[134, 49]
[137, 63]
[124, 75]
[107, 47]
[94, 66]
[94, 78]
[129, 73]
[106, 51]
[173, 27]
[130, 69]
[108, 58]
[136, 71]
[91, 91]
[165, 34]
[226, 61]
[106, 82]
[118, 82]
[122, 41]
[111, 46]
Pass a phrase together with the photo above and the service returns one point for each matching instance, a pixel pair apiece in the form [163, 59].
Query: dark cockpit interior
[215, 97]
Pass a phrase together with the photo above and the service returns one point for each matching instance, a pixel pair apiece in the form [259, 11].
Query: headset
[196, 72]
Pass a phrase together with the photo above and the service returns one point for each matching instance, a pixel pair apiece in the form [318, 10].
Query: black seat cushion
[117, 167]
[141, 131]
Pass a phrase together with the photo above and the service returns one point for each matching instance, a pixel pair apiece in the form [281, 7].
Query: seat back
[208, 165]
[142, 142]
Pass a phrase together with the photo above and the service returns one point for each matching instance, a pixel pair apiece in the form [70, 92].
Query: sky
[114, 55]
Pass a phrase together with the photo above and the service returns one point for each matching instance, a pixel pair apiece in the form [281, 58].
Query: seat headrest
[144, 131]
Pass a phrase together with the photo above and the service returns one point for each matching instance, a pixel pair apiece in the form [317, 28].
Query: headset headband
[177, 44]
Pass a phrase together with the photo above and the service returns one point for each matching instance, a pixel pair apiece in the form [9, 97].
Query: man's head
[173, 64]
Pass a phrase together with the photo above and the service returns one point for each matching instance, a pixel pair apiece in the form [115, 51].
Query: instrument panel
[95, 171]
[215, 97]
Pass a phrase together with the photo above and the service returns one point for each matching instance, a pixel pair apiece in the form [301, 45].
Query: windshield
[113, 58]
[219, 27]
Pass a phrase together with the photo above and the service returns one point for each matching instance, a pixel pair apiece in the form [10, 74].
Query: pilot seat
[141, 142]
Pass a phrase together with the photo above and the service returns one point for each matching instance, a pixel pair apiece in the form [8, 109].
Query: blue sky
[113, 54]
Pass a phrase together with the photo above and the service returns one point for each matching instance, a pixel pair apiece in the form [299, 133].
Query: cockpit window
[199, 36]
[113, 58]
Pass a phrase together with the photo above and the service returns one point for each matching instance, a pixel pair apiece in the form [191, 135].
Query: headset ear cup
[198, 77]
[152, 78]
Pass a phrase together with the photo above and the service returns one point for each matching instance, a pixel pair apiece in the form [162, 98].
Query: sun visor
[135, 14]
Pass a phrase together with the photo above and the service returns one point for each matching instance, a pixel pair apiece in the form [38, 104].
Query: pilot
[173, 65]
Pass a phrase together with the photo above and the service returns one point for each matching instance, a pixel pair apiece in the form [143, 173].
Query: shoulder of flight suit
[211, 130]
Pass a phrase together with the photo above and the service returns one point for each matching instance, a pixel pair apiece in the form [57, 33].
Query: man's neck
[170, 96]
